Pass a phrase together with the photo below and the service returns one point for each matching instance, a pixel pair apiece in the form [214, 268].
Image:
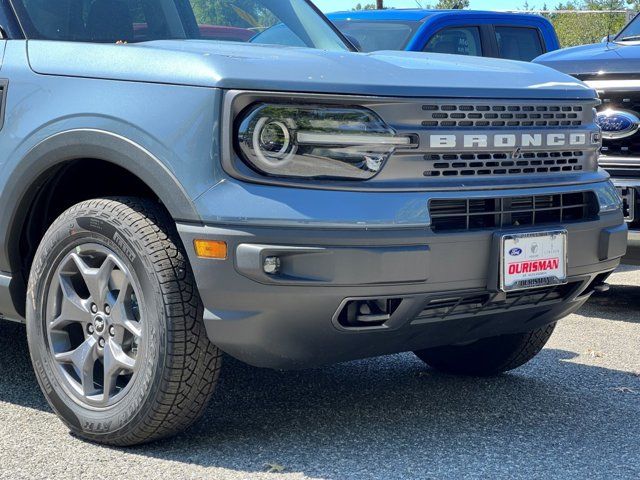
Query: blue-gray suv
[177, 180]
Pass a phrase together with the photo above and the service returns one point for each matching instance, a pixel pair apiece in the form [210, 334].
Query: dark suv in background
[613, 69]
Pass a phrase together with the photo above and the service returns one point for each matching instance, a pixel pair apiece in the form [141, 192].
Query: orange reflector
[211, 249]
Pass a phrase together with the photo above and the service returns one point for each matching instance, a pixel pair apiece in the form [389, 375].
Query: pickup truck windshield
[631, 31]
[373, 36]
[134, 21]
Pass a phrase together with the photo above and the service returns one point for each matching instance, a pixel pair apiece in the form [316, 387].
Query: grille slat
[474, 214]
[495, 163]
[464, 115]
[483, 304]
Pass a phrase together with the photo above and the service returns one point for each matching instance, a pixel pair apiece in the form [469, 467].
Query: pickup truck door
[468, 35]
[488, 37]
[522, 43]
[458, 40]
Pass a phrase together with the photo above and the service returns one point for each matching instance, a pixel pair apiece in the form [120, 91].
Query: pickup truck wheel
[489, 356]
[114, 324]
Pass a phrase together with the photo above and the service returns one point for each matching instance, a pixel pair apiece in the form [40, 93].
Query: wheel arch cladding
[32, 172]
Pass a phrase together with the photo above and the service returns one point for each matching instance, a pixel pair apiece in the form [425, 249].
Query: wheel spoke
[115, 362]
[73, 309]
[121, 317]
[83, 359]
[131, 325]
[118, 359]
[96, 279]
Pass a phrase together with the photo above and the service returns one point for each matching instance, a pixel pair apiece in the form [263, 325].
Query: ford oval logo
[515, 252]
[616, 124]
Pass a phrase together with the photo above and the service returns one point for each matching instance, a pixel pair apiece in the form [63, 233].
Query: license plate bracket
[533, 260]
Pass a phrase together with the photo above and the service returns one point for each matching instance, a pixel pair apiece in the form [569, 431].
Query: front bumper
[293, 319]
[633, 252]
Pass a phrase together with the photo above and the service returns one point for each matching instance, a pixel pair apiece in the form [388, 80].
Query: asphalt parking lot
[572, 413]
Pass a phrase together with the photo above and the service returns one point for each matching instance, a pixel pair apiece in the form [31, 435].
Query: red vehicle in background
[230, 34]
[207, 32]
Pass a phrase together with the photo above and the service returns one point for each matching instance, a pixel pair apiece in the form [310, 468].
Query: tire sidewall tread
[180, 375]
[488, 356]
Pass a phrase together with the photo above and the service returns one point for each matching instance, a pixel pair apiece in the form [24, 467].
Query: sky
[335, 5]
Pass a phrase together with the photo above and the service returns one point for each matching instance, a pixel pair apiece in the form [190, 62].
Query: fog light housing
[272, 265]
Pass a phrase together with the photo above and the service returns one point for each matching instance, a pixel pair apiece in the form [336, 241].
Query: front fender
[30, 174]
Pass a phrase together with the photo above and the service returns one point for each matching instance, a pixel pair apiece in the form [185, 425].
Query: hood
[596, 59]
[231, 65]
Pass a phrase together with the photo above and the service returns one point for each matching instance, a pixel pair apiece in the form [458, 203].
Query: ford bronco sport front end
[169, 196]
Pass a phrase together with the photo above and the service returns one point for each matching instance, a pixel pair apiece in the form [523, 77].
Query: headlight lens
[312, 141]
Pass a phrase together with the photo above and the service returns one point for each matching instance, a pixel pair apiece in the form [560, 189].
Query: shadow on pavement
[620, 303]
[394, 418]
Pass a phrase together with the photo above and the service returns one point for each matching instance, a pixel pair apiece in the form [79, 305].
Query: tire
[489, 356]
[114, 324]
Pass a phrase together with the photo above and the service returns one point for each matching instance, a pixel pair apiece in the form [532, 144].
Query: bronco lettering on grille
[507, 140]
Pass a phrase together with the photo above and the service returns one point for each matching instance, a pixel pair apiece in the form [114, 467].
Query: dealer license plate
[533, 260]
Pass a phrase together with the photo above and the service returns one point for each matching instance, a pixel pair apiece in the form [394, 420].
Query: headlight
[314, 141]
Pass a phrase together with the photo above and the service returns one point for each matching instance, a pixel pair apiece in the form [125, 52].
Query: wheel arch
[136, 166]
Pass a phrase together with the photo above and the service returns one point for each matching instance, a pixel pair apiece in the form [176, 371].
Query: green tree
[368, 6]
[583, 28]
[611, 5]
[235, 13]
[452, 4]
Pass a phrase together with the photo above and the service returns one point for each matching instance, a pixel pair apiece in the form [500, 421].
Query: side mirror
[606, 39]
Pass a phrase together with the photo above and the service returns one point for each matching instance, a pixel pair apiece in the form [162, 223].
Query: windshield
[631, 31]
[373, 36]
[133, 21]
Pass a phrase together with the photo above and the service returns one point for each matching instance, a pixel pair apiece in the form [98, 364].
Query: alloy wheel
[94, 325]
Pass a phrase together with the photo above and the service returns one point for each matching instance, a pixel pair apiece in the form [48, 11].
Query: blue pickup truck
[511, 36]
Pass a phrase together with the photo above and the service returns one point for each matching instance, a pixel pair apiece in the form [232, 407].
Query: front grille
[483, 304]
[478, 164]
[476, 114]
[449, 215]
[627, 101]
